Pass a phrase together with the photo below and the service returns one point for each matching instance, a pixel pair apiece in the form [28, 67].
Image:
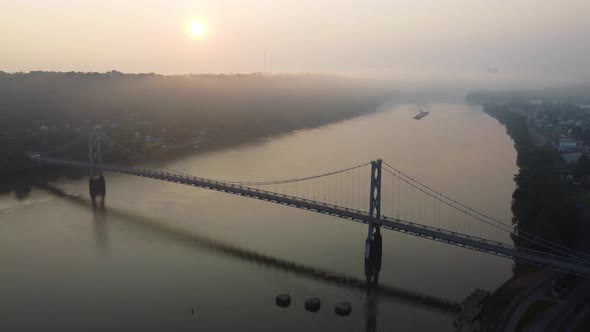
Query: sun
[197, 29]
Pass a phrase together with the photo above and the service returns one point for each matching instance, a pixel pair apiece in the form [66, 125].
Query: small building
[566, 143]
[571, 158]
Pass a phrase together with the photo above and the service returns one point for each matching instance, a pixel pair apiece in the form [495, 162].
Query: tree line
[543, 203]
[40, 111]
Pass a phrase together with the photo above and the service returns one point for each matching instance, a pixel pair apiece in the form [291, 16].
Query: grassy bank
[533, 313]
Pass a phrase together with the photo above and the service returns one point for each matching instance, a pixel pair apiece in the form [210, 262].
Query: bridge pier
[373, 260]
[97, 187]
[372, 269]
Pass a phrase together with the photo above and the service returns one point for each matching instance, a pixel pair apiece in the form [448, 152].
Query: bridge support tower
[96, 182]
[373, 244]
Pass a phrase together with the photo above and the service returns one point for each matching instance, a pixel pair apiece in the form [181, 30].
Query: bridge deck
[537, 258]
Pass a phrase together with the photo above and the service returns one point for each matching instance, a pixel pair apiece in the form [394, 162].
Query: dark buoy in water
[283, 300]
[343, 309]
[312, 304]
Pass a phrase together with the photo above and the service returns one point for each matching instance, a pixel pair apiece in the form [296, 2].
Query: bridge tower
[96, 182]
[373, 244]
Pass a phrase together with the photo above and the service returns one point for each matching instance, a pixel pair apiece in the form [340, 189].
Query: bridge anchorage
[96, 182]
[373, 244]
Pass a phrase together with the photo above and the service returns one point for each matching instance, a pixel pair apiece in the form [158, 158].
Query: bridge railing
[497, 244]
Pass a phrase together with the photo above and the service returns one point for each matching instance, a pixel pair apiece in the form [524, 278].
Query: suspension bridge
[374, 193]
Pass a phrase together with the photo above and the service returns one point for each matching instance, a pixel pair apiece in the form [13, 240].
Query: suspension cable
[65, 146]
[284, 181]
[111, 142]
[114, 142]
[132, 155]
[521, 234]
[482, 217]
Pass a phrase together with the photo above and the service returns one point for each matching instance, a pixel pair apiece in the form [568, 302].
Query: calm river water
[161, 250]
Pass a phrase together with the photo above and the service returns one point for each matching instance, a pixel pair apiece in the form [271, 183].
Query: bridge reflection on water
[370, 286]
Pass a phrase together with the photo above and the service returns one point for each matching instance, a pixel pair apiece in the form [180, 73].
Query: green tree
[582, 167]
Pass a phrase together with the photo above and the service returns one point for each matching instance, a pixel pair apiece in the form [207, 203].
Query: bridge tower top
[375, 197]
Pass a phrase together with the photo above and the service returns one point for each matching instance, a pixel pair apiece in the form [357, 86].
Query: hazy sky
[443, 36]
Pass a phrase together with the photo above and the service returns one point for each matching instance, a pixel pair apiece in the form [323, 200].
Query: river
[162, 250]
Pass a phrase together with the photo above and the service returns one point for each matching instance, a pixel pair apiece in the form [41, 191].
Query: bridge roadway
[556, 263]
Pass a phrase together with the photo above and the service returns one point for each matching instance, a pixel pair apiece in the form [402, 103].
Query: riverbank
[503, 302]
[162, 118]
[500, 305]
[153, 114]
[21, 182]
[542, 204]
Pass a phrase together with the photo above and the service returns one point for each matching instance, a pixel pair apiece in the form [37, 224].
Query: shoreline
[503, 303]
[23, 181]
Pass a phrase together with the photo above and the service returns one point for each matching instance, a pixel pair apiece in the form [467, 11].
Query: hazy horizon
[423, 39]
